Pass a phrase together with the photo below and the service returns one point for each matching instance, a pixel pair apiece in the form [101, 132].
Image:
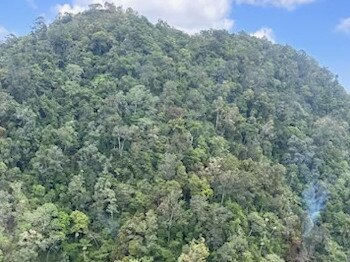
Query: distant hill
[121, 140]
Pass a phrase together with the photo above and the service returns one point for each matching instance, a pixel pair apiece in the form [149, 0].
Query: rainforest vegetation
[127, 141]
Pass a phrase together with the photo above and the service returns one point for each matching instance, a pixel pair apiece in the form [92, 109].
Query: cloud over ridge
[3, 33]
[189, 16]
[265, 32]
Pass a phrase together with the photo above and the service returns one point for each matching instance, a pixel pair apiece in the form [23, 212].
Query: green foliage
[196, 252]
[80, 222]
[121, 140]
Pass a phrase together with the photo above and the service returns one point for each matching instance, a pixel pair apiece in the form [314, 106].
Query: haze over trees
[121, 140]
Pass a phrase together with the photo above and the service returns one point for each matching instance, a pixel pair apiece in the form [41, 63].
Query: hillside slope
[121, 140]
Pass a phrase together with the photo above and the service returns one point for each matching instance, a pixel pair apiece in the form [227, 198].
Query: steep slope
[121, 140]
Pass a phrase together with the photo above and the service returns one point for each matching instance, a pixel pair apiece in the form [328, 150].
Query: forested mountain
[121, 140]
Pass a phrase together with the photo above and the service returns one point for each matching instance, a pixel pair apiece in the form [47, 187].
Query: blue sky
[317, 26]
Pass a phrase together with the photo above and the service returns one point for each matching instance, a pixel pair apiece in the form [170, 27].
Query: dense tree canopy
[125, 141]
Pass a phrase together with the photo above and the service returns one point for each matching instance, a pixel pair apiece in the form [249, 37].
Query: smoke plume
[314, 198]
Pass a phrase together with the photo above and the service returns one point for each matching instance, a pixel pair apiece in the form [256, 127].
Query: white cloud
[188, 15]
[3, 33]
[265, 33]
[67, 8]
[288, 4]
[32, 4]
[344, 25]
